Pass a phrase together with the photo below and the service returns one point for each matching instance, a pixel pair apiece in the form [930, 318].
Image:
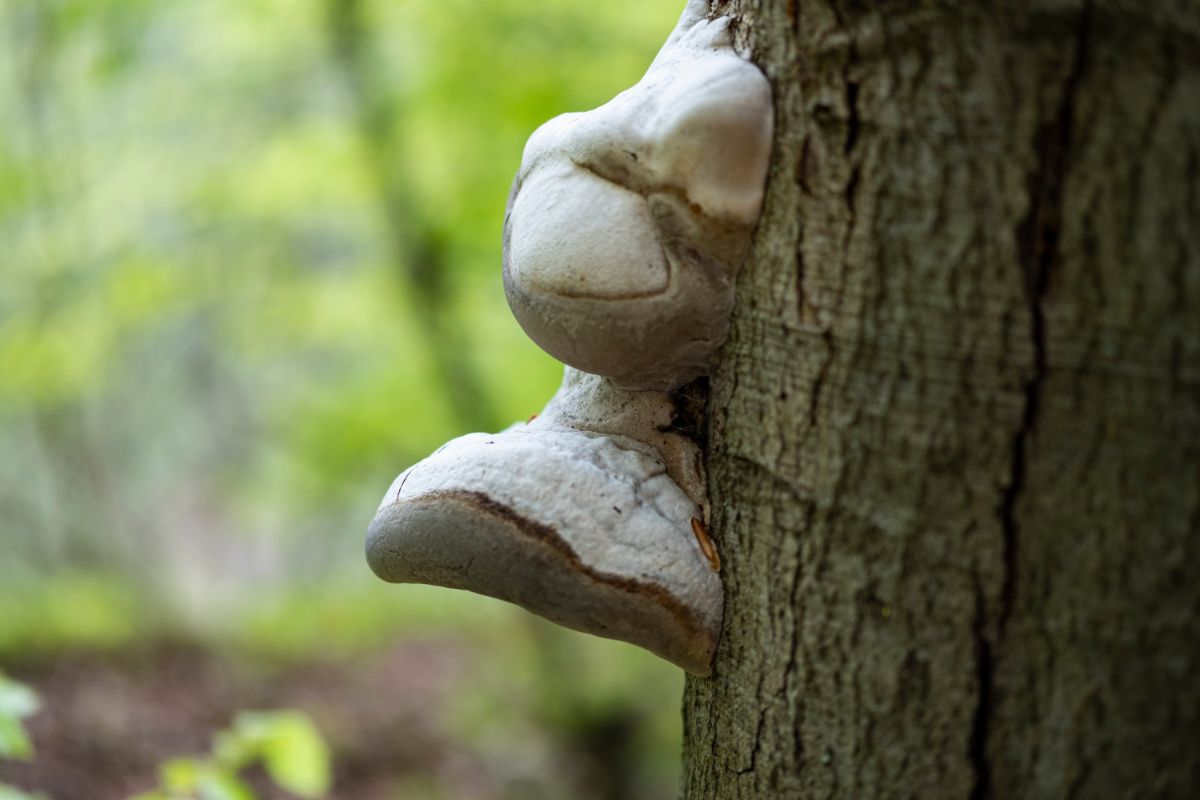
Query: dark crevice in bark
[853, 128]
[850, 192]
[853, 123]
[802, 165]
[1037, 241]
[789, 675]
[758, 740]
[800, 297]
[1037, 238]
[819, 381]
[983, 710]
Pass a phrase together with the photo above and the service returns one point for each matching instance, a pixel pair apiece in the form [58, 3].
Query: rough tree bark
[955, 436]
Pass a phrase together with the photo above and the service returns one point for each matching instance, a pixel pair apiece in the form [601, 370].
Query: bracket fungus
[627, 224]
[625, 228]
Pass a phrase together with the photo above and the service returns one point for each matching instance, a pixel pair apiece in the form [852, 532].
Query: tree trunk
[954, 440]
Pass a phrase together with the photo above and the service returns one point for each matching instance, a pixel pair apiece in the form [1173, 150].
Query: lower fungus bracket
[584, 528]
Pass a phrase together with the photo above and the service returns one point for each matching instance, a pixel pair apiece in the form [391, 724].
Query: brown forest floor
[107, 722]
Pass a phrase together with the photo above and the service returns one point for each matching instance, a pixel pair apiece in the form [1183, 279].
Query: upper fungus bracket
[626, 224]
[624, 231]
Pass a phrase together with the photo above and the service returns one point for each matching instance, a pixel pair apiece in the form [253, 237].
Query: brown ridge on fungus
[550, 537]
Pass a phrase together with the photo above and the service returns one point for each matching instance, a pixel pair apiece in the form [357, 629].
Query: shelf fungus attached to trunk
[625, 229]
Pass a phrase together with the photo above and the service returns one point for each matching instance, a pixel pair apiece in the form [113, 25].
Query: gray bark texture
[954, 439]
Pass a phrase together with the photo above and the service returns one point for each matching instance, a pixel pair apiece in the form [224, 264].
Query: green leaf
[13, 793]
[180, 774]
[13, 741]
[223, 786]
[292, 750]
[16, 699]
[236, 748]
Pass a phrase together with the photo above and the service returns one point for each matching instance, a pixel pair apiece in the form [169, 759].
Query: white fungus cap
[587, 529]
[626, 224]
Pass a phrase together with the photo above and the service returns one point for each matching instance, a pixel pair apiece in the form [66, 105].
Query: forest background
[249, 271]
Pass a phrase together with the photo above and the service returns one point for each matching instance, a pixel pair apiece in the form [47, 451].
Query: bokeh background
[250, 271]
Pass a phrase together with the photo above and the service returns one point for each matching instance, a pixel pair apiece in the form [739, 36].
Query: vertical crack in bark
[982, 790]
[801, 268]
[850, 192]
[818, 383]
[758, 741]
[1037, 240]
[853, 123]
[789, 675]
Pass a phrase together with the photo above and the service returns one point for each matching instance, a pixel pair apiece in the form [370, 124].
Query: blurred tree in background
[249, 271]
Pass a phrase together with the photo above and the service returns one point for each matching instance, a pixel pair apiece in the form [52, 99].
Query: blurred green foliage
[17, 701]
[9, 793]
[70, 608]
[212, 349]
[249, 271]
[204, 321]
[286, 743]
